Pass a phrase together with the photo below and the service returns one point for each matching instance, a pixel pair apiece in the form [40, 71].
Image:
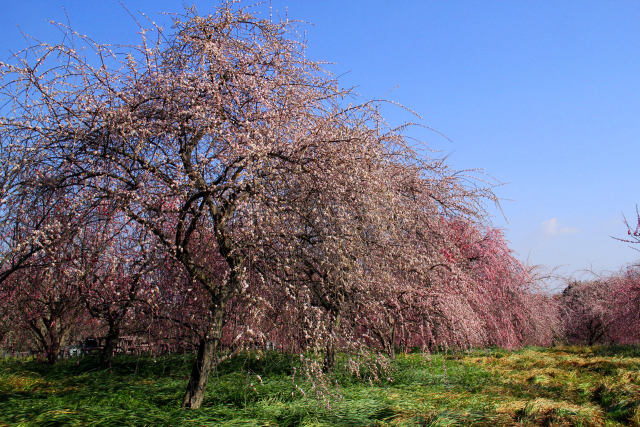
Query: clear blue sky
[544, 96]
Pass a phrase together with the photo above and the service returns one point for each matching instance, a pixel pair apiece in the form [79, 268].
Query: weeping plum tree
[406, 287]
[605, 309]
[502, 290]
[223, 132]
[457, 286]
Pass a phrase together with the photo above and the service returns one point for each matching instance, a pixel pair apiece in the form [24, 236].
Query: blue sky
[544, 96]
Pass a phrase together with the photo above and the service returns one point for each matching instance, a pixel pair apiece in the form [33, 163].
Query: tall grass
[564, 386]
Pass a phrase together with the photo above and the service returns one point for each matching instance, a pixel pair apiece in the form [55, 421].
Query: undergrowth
[534, 386]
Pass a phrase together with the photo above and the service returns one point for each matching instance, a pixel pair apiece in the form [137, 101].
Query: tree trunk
[53, 346]
[330, 349]
[392, 345]
[111, 342]
[52, 352]
[206, 360]
[329, 356]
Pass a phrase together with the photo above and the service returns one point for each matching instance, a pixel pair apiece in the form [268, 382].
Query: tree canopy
[217, 157]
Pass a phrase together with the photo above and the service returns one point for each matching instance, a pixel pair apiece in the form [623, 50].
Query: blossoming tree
[223, 132]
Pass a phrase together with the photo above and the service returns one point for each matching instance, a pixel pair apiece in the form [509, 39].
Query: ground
[534, 386]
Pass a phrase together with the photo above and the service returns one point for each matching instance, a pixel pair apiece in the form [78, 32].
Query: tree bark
[52, 352]
[329, 356]
[111, 342]
[330, 349]
[392, 345]
[206, 360]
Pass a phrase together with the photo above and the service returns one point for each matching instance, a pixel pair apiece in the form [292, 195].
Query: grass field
[534, 386]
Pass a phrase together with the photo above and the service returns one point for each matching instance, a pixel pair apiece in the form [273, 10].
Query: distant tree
[588, 311]
[116, 259]
[504, 292]
[625, 306]
[472, 292]
[603, 310]
[44, 295]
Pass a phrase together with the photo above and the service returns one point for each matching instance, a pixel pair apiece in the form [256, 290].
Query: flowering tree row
[215, 182]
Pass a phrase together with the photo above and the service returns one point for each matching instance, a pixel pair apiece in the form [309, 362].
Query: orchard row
[214, 189]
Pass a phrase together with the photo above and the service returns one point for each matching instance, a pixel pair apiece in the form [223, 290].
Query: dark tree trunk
[207, 357]
[52, 352]
[206, 360]
[110, 344]
[330, 349]
[386, 338]
[329, 356]
[54, 343]
[391, 351]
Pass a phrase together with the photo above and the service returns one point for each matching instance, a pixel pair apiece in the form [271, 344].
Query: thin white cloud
[552, 227]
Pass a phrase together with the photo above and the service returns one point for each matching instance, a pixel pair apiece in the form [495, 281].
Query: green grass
[534, 386]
